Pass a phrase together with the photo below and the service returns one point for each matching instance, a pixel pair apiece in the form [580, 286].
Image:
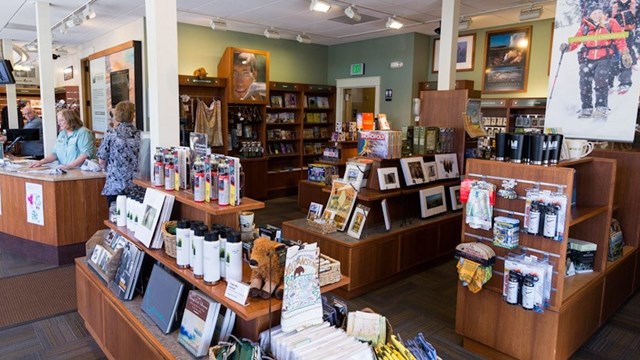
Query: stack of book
[124, 283]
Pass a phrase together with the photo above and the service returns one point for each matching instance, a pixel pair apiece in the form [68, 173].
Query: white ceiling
[289, 17]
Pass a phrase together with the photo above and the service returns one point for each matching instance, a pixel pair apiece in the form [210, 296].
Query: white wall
[62, 63]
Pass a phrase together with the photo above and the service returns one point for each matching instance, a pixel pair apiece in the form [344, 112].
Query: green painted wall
[199, 46]
[538, 61]
[377, 54]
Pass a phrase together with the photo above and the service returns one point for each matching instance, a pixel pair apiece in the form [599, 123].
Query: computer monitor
[6, 73]
[26, 134]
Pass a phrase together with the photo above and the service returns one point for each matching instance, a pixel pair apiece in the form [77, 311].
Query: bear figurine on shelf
[200, 73]
[267, 269]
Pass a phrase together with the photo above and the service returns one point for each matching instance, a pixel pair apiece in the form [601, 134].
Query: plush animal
[200, 73]
[266, 270]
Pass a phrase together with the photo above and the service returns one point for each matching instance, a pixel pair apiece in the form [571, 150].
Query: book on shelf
[322, 102]
[224, 325]
[290, 100]
[198, 323]
[153, 203]
[124, 282]
[158, 240]
[162, 299]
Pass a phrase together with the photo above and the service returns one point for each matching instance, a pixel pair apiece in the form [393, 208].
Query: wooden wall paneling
[418, 246]
[516, 332]
[444, 109]
[254, 172]
[89, 300]
[618, 286]
[374, 262]
[579, 319]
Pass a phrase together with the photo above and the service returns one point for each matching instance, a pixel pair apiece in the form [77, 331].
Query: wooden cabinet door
[89, 302]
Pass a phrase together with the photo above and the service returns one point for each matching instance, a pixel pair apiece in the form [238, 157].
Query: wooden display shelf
[186, 198]
[283, 124]
[281, 140]
[577, 282]
[317, 139]
[570, 163]
[367, 194]
[273, 156]
[269, 108]
[627, 251]
[256, 308]
[335, 163]
[315, 124]
[417, 188]
[316, 154]
[583, 213]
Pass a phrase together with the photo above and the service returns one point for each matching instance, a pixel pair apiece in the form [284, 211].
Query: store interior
[400, 254]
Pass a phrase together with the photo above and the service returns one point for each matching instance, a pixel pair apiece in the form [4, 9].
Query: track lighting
[319, 5]
[74, 20]
[303, 38]
[393, 23]
[352, 13]
[63, 28]
[271, 34]
[218, 24]
[88, 13]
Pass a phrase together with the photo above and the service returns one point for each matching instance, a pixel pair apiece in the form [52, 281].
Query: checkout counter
[49, 217]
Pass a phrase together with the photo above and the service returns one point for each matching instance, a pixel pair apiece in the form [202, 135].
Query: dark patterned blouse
[120, 148]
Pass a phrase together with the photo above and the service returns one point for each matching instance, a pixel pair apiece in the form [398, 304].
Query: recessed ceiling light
[319, 5]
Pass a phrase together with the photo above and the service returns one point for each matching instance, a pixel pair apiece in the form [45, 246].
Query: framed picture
[68, 73]
[315, 211]
[447, 166]
[432, 201]
[388, 178]
[430, 171]
[357, 221]
[247, 71]
[276, 101]
[385, 214]
[465, 54]
[454, 196]
[506, 62]
[353, 175]
[413, 171]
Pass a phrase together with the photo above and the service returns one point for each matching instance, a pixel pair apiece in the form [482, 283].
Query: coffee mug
[577, 148]
[246, 220]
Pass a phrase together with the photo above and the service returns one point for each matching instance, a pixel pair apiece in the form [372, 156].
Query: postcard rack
[574, 311]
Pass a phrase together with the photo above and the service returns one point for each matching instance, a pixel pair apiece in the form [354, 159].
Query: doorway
[356, 95]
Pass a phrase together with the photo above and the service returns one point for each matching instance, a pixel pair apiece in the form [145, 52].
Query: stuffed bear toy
[200, 73]
[266, 270]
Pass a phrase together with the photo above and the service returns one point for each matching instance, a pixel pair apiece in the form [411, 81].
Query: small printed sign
[237, 291]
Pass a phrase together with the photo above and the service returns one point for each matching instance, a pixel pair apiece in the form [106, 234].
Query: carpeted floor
[37, 295]
[12, 264]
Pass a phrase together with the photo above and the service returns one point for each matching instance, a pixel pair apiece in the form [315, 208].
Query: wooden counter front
[73, 210]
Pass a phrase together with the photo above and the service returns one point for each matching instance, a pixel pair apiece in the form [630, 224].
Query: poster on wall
[35, 205]
[99, 109]
[593, 87]
[115, 77]
[506, 62]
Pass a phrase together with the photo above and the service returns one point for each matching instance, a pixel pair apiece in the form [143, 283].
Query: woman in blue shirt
[75, 142]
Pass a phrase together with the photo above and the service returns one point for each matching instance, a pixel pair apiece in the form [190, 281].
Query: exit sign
[356, 69]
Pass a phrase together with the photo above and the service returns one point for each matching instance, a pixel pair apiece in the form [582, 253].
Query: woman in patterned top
[118, 153]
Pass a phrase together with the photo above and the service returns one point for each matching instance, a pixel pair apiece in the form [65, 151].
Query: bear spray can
[214, 178]
[233, 249]
[513, 288]
[158, 171]
[223, 184]
[211, 257]
[169, 174]
[528, 293]
[198, 182]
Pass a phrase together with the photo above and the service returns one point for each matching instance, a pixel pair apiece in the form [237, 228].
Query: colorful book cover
[367, 121]
[198, 323]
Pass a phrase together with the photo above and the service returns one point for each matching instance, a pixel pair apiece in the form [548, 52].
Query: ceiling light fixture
[74, 20]
[88, 13]
[303, 38]
[218, 24]
[352, 13]
[393, 23]
[530, 13]
[464, 24]
[62, 28]
[271, 34]
[320, 6]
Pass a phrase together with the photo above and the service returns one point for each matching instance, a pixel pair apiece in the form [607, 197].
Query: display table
[72, 211]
